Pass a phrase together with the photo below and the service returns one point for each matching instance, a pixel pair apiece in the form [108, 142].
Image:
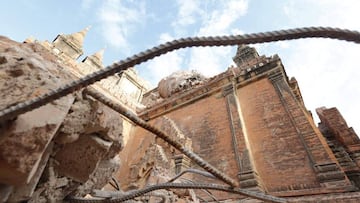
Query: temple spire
[96, 59]
[71, 44]
[78, 37]
[99, 55]
[244, 55]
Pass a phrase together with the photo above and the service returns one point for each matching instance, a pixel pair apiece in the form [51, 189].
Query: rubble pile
[179, 81]
[67, 147]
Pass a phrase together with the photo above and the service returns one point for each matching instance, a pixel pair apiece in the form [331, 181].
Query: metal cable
[191, 170]
[164, 198]
[207, 192]
[103, 194]
[141, 192]
[159, 133]
[308, 32]
[116, 184]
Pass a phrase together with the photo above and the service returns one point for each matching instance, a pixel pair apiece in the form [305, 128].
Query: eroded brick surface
[275, 146]
[79, 159]
[278, 148]
[31, 69]
[27, 71]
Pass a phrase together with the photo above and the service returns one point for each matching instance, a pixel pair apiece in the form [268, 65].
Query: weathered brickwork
[251, 123]
[342, 140]
[321, 157]
[209, 131]
[335, 125]
[274, 145]
[206, 124]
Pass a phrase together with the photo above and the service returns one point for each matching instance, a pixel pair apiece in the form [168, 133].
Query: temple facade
[251, 123]
[125, 87]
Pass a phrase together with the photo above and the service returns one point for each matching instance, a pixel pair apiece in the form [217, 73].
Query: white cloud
[212, 18]
[211, 61]
[165, 37]
[220, 20]
[283, 44]
[236, 31]
[119, 20]
[164, 65]
[341, 14]
[326, 70]
[86, 4]
[187, 13]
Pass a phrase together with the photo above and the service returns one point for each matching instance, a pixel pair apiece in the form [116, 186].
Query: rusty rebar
[308, 32]
[137, 193]
[191, 170]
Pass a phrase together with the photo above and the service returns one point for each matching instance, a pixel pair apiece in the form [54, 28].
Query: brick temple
[249, 121]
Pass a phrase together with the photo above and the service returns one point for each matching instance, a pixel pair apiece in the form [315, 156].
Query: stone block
[79, 159]
[91, 117]
[100, 177]
[27, 71]
[23, 145]
[25, 191]
[5, 191]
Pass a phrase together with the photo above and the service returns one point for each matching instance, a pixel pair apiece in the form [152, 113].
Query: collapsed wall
[68, 147]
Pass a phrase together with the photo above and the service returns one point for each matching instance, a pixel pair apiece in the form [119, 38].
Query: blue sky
[327, 70]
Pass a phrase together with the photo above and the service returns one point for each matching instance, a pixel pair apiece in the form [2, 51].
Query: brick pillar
[248, 178]
[182, 163]
[319, 154]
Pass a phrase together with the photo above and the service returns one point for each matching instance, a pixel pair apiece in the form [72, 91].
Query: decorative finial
[96, 58]
[100, 54]
[244, 54]
[79, 36]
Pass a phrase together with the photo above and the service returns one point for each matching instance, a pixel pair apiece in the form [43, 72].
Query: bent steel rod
[137, 193]
[191, 170]
[161, 134]
[308, 32]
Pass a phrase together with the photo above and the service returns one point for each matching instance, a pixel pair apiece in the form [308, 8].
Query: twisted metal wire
[223, 188]
[308, 32]
[159, 133]
[103, 194]
[206, 191]
[191, 170]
